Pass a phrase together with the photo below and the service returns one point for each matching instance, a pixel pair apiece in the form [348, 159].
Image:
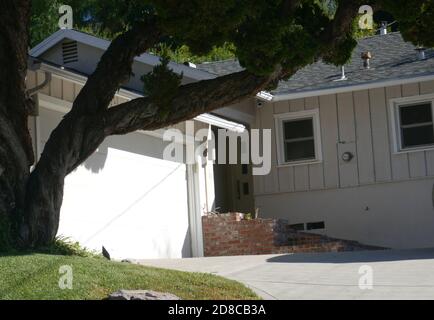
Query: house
[352, 155]
[353, 148]
[125, 197]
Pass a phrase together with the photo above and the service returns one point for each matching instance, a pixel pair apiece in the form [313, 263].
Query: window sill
[413, 150]
[299, 163]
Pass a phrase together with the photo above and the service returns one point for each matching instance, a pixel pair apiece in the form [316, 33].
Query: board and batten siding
[356, 122]
[59, 88]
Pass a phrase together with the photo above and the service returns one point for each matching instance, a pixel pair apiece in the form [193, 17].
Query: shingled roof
[393, 59]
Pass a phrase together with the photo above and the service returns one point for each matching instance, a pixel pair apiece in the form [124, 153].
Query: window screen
[299, 141]
[416, 125]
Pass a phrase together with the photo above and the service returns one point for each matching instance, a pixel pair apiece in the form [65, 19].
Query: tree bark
[16, 155]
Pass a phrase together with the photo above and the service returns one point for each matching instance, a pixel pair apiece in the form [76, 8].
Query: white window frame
[394, 105]
[279, 119]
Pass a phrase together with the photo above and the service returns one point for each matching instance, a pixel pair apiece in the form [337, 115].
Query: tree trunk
[69, 145]
[16, 155]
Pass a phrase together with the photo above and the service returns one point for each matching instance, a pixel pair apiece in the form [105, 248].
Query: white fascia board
[265, 96]
[102, 44]
[48, 43]
[220, 122]
[54, 104]
[364, 86]
[235, 115]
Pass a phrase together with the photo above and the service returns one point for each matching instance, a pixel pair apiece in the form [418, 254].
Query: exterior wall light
[347, 156]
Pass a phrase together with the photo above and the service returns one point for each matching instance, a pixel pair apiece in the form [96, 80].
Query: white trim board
[102, 44]
[335, 90]
[233, 113]
[220, 122]
[195, 215]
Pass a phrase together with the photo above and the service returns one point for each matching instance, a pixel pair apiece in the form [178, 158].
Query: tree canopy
[259, 33]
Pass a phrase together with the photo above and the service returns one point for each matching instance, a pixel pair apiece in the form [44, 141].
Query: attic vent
[69, 52]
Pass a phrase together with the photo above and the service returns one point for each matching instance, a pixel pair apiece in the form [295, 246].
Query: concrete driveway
[396, 274]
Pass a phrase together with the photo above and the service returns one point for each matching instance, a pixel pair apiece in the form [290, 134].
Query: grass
[36, 276]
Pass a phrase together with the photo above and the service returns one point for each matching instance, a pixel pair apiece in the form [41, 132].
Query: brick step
[297, 238]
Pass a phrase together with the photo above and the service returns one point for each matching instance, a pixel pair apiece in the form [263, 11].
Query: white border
[296, 115]
[394, 121]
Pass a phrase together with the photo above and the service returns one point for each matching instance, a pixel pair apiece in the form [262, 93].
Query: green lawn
[36, 276]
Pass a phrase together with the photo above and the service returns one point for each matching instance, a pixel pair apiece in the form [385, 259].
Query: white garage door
[126, 198]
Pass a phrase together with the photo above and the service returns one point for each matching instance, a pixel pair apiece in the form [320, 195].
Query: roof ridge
[220, 61]
[380, 35]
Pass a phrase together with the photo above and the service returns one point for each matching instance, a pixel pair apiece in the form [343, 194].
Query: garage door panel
[126, 198]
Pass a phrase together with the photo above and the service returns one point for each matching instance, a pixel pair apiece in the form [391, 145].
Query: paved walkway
[397, 274]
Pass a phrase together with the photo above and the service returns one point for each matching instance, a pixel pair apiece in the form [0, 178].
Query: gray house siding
[342, 192]
[357, 122]
[394, 215]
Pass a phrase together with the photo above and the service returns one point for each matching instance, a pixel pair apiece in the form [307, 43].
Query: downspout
[31, 92]
[35, 66]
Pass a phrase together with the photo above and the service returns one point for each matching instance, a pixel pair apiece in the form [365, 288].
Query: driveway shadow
[356, 256]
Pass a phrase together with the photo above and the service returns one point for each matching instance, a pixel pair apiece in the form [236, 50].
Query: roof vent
[383, 28]
[69, 52]
[366, 57]
[343, 76]
[190, 64]
[421, 53]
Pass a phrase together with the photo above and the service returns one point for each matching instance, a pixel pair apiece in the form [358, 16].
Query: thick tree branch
[342, 22]
[288, 7]
[191, 100]
[114, 68]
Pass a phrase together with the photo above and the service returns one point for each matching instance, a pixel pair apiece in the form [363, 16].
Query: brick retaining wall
[230, 234]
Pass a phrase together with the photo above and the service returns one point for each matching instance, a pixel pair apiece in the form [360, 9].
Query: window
[244, 169]
[416, 125]
[297, 136]
[413, 124]
[297, 226]
[246, 188]
[315, 225]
